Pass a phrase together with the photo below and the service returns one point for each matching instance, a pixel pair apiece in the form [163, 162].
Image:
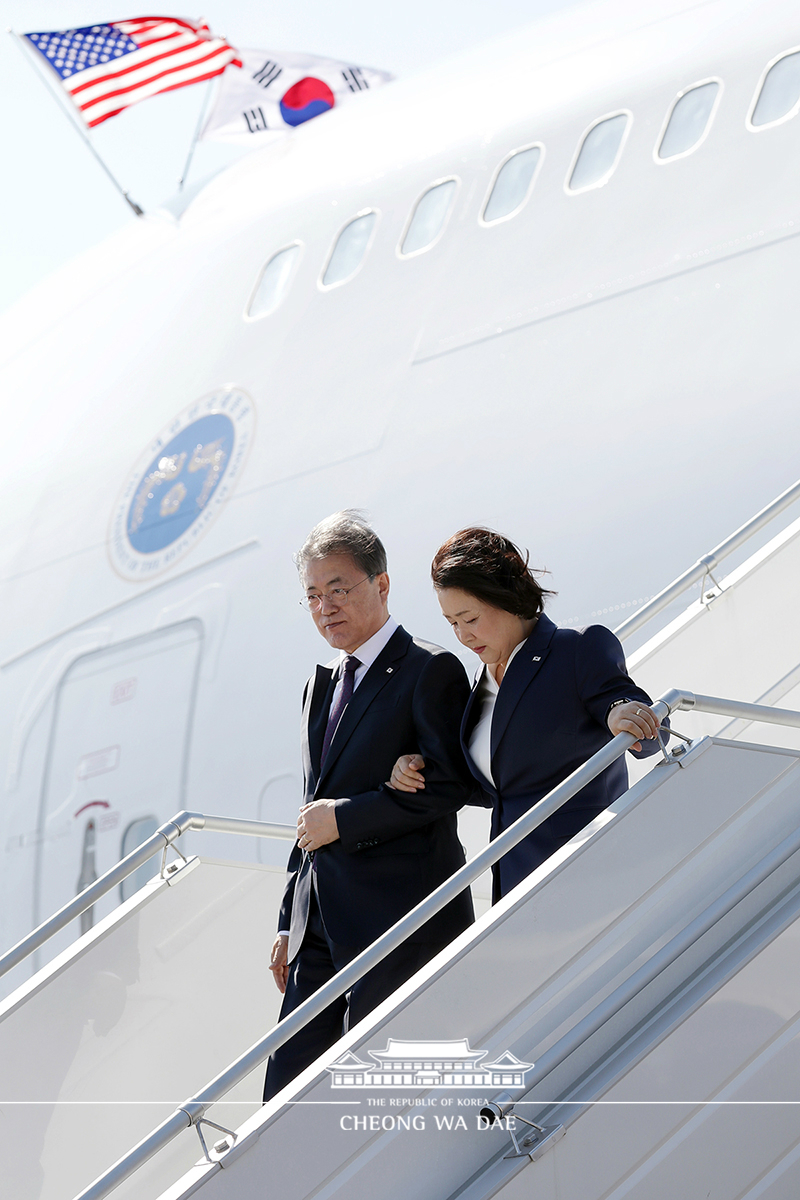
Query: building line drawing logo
[428, 1064]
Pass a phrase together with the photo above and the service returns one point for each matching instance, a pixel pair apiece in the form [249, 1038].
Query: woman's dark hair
[491, 568]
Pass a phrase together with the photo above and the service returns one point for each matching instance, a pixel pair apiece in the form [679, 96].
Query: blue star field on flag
[74, 50]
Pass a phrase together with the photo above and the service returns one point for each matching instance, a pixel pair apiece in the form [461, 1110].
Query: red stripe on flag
[198, 62]
[152, 22]
[138, 66]
[169, 88]
[137, 28]
[144, 42]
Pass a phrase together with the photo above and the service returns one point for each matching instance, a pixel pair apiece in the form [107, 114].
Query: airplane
[548, 286]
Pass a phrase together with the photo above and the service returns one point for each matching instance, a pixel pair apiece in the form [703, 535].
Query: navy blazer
[549, 718]
[393, 848]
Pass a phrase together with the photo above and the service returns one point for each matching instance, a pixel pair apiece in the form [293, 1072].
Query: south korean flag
[273, 92]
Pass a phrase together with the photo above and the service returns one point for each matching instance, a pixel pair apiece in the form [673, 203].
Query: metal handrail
[194, 1110]
[706, 564]
[158, 842]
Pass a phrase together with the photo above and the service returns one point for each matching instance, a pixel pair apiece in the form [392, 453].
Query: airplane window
[273, 282]
[780, 91]
[689, 120]
[136, 833]
[351, 246]
[512, 185]
[429, 217]
[599, 153]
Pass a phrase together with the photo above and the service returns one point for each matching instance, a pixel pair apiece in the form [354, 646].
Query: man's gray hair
[345, 532]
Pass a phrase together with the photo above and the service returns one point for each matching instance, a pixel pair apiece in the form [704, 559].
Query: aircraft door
[116, 765]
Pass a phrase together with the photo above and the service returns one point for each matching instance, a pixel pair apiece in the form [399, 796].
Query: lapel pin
[389, 670]
[537, 658]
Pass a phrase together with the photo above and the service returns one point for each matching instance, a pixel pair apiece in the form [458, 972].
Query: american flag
[106, 68]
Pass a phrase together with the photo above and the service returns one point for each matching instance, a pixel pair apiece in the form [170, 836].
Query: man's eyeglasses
[338, 597]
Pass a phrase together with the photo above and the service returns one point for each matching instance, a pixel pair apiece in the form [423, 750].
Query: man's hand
[316, 825]
[277, 962]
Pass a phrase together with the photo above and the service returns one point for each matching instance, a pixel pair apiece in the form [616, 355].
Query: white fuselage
[608, 376]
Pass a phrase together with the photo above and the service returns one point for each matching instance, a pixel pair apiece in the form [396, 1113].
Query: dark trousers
[317, 961]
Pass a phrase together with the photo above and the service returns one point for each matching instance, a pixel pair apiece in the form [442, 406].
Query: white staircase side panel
[523, 978]
[744, 644]
[474, 826]
[712, 1110]
[103, 1043]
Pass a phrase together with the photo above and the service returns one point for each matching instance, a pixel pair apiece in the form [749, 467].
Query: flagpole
[78, 128]
[197, 132]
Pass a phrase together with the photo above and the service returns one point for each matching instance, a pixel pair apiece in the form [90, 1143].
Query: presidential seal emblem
[180, 484]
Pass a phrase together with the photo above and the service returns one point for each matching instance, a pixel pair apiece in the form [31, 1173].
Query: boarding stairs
[640, 978]
[646, 977]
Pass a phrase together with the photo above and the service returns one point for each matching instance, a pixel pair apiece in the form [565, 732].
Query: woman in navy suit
[545, 700]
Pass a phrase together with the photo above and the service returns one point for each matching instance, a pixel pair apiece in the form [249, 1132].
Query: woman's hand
[406, 775]
[633, 717]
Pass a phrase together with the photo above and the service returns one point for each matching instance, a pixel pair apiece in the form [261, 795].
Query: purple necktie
[351, 665]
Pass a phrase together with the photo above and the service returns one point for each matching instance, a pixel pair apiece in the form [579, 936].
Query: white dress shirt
[480, 743]
[366, 655]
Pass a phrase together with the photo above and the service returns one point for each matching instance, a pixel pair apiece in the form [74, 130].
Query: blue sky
[56, 201]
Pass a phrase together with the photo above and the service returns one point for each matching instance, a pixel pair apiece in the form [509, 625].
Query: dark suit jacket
[393, 849]
[549, 718]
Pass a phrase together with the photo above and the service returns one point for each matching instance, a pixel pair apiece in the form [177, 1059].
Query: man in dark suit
[366, 854]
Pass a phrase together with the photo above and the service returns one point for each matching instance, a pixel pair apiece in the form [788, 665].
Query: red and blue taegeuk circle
[306, 99]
